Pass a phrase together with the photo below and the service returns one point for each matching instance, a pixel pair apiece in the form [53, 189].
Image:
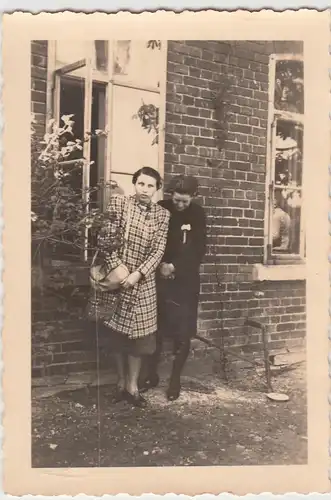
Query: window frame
[86, 72]
[273, 258]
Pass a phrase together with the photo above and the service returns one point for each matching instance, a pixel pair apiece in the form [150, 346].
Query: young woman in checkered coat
[132, 325]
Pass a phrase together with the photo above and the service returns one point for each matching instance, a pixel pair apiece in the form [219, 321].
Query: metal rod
[266, 358]
[227, 350]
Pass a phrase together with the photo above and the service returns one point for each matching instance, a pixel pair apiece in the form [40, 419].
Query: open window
[75, 92]
[285, 231]
[113, 85]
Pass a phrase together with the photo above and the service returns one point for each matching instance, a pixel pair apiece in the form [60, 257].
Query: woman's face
[145, 188]
[181, 201]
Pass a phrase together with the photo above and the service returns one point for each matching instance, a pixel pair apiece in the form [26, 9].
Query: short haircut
[151, 172]
[184, 184]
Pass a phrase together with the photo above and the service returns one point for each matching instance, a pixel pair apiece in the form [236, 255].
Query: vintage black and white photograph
[168, 251]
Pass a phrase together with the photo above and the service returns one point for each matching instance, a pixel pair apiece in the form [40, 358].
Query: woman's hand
[131, 280]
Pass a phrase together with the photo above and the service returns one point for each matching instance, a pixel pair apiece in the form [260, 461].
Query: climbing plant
[221, 101]
[148, 115]
[154, 44]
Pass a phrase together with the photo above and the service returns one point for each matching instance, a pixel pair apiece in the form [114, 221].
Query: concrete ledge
[295, 272]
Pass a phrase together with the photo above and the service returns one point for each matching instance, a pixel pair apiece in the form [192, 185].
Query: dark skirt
[118, 343]
[177, 309]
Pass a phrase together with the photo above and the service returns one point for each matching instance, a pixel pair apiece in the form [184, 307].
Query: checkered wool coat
[135, 313]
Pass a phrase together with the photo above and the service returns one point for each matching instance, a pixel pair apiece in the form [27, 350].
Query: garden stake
[227, 350]
[266, 358]
[254, 324]
[260, 326]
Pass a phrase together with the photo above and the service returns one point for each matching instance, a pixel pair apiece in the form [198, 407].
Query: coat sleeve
[110, 231]
[186, 261]
[157, 248]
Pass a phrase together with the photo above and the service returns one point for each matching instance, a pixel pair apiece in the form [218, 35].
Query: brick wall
[232, 182]
[38, 83]
[232, 190]
[61, 339]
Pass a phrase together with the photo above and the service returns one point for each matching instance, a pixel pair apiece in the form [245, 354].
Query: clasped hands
[167, 270]
[131, 280]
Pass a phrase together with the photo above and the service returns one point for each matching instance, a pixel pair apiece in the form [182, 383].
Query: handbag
[102, 281]
[105, 293]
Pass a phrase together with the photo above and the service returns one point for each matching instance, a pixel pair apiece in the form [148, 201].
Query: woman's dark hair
[184, 184]
[151, 172]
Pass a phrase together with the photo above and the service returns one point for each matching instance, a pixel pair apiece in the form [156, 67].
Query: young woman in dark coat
[178, 284]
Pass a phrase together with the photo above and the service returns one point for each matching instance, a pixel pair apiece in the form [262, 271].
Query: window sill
[285, 272]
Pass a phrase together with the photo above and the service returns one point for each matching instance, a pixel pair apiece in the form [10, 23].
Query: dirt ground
[212, 423]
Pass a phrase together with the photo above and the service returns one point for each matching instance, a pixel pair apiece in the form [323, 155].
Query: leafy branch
[148, 115]
[60, 207]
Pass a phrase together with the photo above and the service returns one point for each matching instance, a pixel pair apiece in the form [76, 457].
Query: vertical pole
[268, 209]
[162, 111]
[50, 92]
[86, 198]
[271, 188]
[56, 98]
[87, 144]
[266, 358]
[109, 124]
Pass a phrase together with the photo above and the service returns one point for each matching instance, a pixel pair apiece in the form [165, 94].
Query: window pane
[72, 103]
[138, 61]
[70, 51]
[286, 221]
[135, 115]
[123, 184]
[101, 55]
[289, 153]
[289, 86]
[98, 143]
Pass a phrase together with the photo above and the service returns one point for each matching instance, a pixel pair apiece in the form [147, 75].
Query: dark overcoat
[178, 299]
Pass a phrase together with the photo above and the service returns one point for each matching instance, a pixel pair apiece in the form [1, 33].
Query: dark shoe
[118, 395]
[135, 400]
[173, 391]
[149, 383]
